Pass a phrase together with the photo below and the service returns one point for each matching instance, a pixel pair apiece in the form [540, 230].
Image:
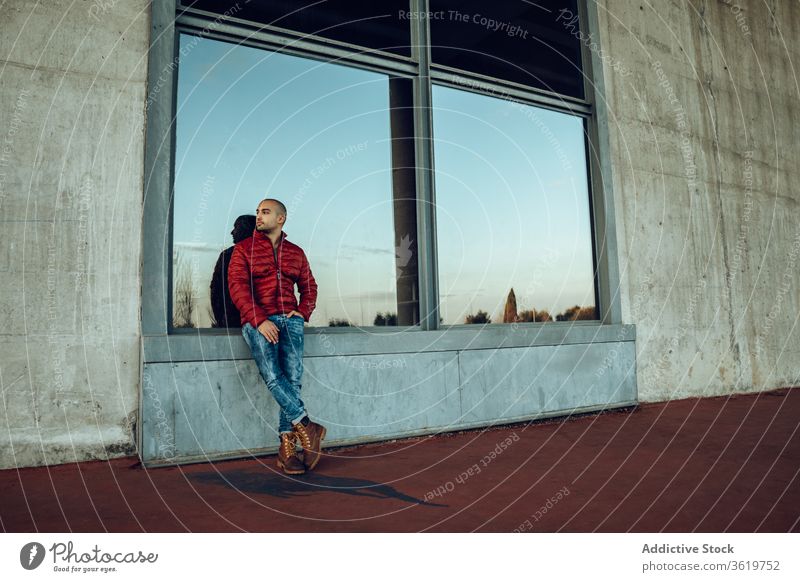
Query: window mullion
[599, 167]
[159, 110]
[426, 198]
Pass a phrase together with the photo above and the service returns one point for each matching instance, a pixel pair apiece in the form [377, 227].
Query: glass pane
[512, 211]
[253, 124]
[375, 25]
[533, 43]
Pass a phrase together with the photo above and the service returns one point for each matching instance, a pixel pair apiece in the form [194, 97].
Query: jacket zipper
[276, 257]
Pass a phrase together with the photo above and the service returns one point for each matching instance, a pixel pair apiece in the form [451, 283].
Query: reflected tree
[577, 312]
[534, 315]
[385, 318]
[480, 317]
[183, 310]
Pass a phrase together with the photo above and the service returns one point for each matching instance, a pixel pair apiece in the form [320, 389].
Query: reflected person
[225, 312]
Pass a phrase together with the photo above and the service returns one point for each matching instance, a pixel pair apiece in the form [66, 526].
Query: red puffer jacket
[261, 282]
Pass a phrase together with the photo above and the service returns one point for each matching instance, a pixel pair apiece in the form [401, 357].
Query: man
[262, 275]
[225, 312]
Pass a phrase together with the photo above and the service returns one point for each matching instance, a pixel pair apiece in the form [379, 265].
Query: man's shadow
[283, 486]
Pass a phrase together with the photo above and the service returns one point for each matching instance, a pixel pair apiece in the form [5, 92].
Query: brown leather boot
[287, 456]
[311, 435]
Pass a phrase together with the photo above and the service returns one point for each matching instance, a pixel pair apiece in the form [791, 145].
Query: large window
[329, 106]
[514, 232]
[253, 124]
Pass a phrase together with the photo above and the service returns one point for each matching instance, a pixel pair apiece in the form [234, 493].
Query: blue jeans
[281, 365]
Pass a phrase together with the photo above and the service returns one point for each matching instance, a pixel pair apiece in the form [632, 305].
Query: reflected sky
[255, 124]
[513, 204]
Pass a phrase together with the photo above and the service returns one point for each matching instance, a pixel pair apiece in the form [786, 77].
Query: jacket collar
[260, 235]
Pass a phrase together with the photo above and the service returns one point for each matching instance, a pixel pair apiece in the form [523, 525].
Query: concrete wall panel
[525, 382]
[72, 93]
[221, 409]
[709, 258]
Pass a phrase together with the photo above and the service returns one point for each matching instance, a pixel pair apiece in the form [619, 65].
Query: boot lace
[305, 440]
[287, 445]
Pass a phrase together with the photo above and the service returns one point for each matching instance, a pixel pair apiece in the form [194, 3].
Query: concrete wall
[72, 94]
[709, 235]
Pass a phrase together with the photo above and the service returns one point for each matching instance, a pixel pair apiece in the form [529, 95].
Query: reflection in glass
[512, 210]
[324, 139]
[536, 44]
[376, 25]
[224, 311]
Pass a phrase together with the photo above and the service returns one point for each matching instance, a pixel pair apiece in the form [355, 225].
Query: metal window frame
[159, 340]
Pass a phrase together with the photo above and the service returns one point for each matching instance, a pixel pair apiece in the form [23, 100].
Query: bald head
[270, 216]
[279, 207]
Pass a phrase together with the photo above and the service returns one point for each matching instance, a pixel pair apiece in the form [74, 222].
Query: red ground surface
[708, 465]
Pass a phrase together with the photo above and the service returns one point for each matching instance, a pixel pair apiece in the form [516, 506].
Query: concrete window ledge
[203, 399]
[204, 345]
